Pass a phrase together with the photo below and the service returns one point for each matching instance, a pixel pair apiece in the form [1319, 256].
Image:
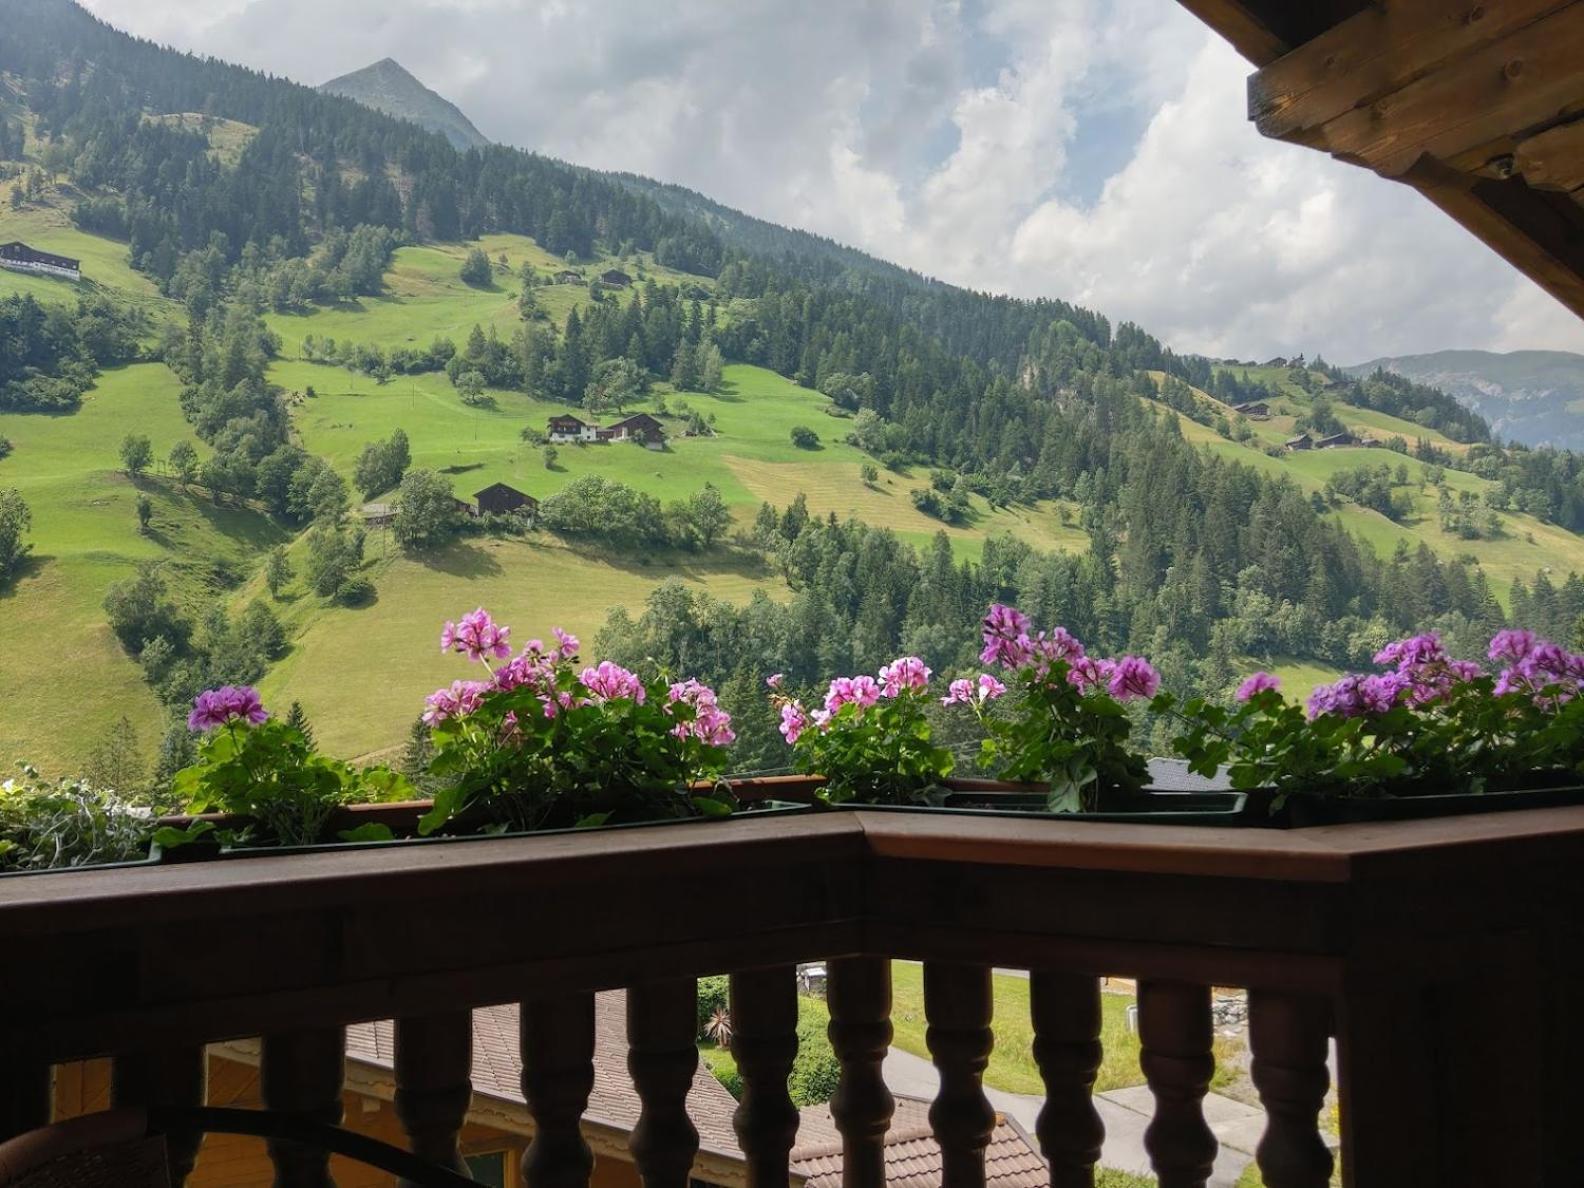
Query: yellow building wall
[239, 1161]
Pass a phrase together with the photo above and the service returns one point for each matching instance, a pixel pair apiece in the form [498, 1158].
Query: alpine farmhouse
[18, 257]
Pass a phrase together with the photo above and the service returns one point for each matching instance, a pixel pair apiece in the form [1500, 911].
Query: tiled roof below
[497, 1070]
[913, 1158]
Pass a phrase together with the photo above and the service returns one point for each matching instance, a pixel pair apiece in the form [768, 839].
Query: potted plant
[546, 742]
[267, 785]
[869, 739]
[1056, 733]
[68, 824]
[1430, 736]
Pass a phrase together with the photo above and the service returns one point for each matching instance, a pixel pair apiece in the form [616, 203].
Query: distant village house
[615, 278]
[1345, 438]
[379, 515]
[569, 276]
[1301, 442]
[18, 257]
[1254, 410]
[498, 499]
[567, 429]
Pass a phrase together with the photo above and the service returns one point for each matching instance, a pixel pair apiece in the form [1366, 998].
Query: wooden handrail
[1409, 940]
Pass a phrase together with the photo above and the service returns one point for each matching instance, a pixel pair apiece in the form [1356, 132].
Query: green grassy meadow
[65, 679]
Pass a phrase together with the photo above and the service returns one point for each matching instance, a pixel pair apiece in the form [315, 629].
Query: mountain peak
[390, 87]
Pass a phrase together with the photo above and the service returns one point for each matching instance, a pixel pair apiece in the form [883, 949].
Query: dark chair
[126, 1148]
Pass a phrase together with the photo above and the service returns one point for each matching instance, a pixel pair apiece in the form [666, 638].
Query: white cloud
[941, 134]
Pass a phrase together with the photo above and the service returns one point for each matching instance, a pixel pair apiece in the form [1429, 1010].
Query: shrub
[805, 438]
[714, 994]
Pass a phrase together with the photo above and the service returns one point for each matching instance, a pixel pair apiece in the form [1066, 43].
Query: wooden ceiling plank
[1380, 50]
[1520, 82]
[1553, 160]
[1237, 22]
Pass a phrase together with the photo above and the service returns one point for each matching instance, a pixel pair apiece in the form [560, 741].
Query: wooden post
[958, 1006]
[300, 1072]
[557, 1037]
[1289, 1036]
[859, 992]
[764, 1042]
[434, 1063]
[662, 1055]
[1066, 1015]
[1174, 1030]
[167, 1077]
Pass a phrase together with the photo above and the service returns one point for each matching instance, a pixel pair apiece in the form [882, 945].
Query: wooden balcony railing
[1445, 958]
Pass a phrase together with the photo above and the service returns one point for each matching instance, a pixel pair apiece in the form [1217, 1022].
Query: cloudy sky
[1094, 150]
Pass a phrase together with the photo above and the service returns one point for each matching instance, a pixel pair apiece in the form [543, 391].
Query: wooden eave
[1477, 105]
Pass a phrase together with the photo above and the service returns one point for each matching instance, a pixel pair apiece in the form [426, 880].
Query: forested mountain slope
[316, 276]
[1535, 397]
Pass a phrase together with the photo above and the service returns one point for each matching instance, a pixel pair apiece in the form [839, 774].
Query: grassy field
[532, 585]
[104, 261]
[84, 538]
[750, 459]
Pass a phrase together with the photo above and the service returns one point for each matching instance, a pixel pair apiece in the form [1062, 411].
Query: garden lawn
[1012, 1066]
[84, 537]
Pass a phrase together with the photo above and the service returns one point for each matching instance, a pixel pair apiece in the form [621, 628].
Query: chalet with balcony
[499, 499]
[566, 429]
[19, 257]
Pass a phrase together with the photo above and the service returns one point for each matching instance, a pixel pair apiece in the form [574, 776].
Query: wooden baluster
[558, 1074]
[957, 1005]
[1174, 1031]
[26, 1085]
[1288, 1036]
[300, 1072]
[169, 1077]
[1066, 1015]
[434, 1063]
[662, 1055]
[764, 1015]
[859, 993]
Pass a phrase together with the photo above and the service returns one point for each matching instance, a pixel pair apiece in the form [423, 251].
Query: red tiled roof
[912, 1156]
[497, 1070]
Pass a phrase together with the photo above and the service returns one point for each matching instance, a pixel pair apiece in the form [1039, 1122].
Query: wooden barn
[615, 278]
[18, 257]
[498, 499]
[1301, 442]
[640, 427]
[1332, 441]
[1255, 410]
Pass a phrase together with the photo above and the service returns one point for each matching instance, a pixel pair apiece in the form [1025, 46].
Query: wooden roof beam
[1380, 50]
[1493, 96]
[1553, 160]
[1239, 23]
